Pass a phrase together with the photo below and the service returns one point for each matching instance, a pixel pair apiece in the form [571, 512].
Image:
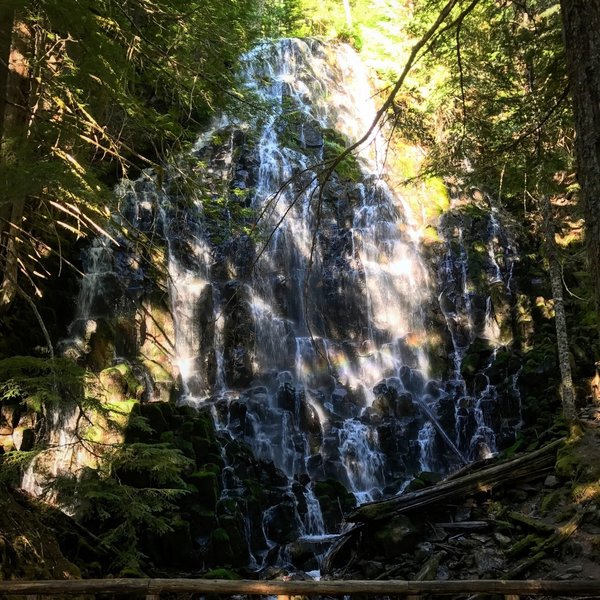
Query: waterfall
[308, 314]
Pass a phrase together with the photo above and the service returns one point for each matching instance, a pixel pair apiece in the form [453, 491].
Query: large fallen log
[523, 467]
[154, 587]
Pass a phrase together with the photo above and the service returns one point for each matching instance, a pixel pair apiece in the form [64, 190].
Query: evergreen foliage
[96, 91]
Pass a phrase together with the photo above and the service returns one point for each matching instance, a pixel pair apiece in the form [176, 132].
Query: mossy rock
[567, 464]
[203, 424]
[159, 415]
[227, 506]
[476, 358]
[207, 484]
[121, 383]
[551, 501]
[334, 143]
[234, 526]
[222, 554]
[334, 490]
[415, 485]
[395, 537]
[102, 345]
[132, 572]
[203, 447]
[179, 442]
[335, 501]
[226, 574]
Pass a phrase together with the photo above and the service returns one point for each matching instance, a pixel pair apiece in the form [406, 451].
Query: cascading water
[311, 334]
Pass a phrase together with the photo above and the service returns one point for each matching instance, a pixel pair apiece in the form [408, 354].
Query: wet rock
[412, 379]
[310, 135]
[397, 536]
[286, 397]
[238, 335]
[489, 562]
[389, 402]
[280, 522]
[502, 539]
[335, 501]
[24, 438]
[302, 555]
[314, 467]
[371, 569]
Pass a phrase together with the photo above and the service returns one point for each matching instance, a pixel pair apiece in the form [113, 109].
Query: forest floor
[541, 525]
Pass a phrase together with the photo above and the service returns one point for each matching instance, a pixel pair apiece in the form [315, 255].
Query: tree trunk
[560, 319]
[7, 17]
[581, 24]
[16, 120]
[6, 26]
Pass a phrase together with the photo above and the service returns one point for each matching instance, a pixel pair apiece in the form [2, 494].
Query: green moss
[523, 545]
[221, 547]
[207, 485]
[567, 463]
[415, 485]
[431, 235]
[584, 493]
[234, 526]
[438, 198]
[132, 572]
[227, 574]
[121, 383]
[333, 490]
[334, 144]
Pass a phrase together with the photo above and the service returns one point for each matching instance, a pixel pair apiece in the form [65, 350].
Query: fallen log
[560, 535]
[530, 522]
[154, 587]
[465, 525]
[525, 466]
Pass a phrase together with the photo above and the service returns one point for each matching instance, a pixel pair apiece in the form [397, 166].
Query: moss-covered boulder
[335, 501]
[207, 485]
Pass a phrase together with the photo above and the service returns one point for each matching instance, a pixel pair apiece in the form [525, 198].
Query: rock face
[338, 354]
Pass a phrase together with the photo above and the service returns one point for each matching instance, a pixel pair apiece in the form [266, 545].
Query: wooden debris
[530, 522]
[525, 466]
[560, 535]
[466, 525]
[288, 588]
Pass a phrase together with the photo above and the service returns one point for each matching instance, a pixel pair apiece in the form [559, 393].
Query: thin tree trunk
[581, 27]
[20, 124]
[7, 17]
[560, 319]
[8, 289]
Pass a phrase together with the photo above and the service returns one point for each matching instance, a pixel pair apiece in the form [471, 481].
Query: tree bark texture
[581, 27]
[7, 16]
[6, 26]
[19, 99]
[560, 317]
